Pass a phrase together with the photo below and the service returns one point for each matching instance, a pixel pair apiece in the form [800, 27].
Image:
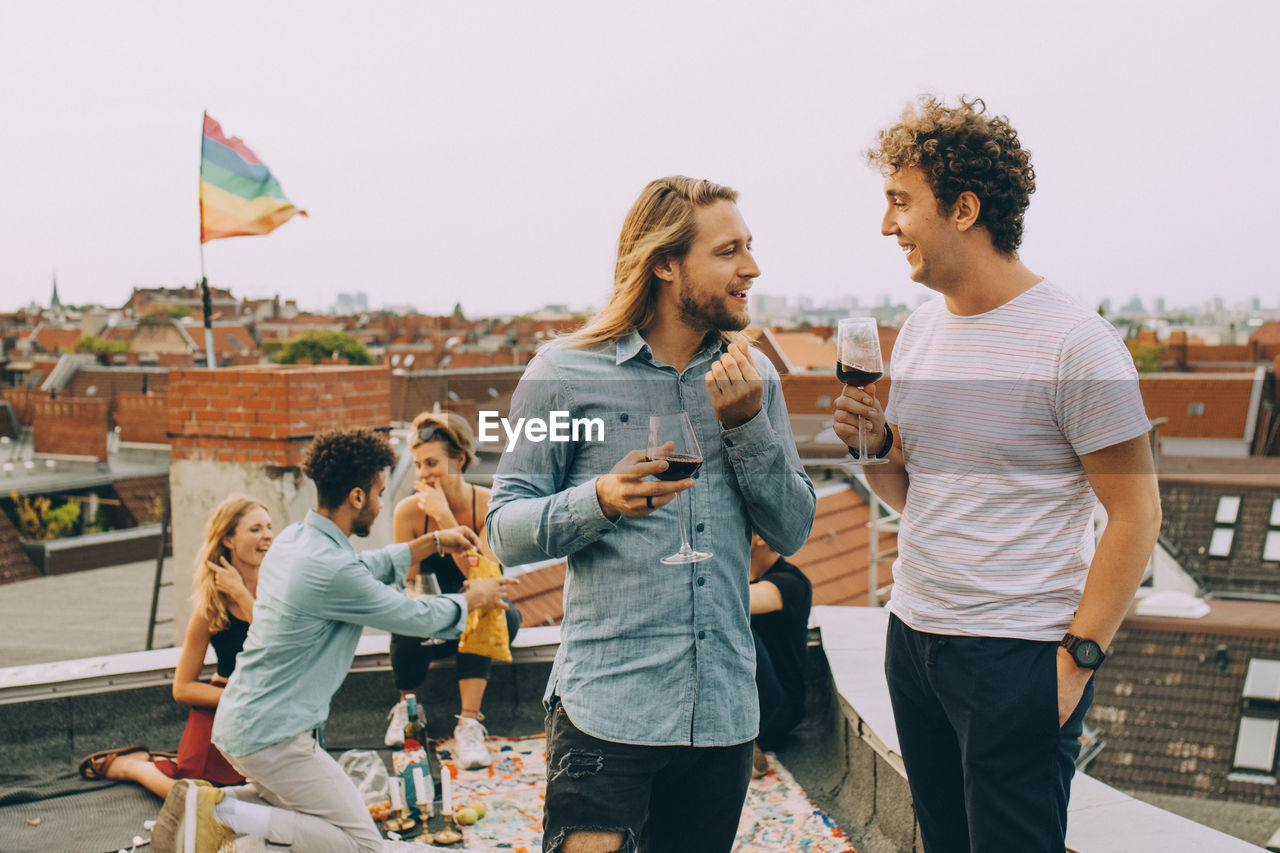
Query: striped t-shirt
[993, 412]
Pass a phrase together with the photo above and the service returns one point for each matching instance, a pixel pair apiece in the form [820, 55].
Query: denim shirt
[315, 594]
[650, 654]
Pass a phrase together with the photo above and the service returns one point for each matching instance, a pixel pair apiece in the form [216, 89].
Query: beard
[362, 524]
[706, 311]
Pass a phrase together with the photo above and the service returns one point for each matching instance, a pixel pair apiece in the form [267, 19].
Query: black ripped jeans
[661, 798]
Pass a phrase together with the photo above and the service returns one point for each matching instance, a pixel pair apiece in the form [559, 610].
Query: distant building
[351, 303]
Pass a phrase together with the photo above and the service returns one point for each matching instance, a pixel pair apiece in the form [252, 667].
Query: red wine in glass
[680, 466]
[671, 439]
[856, 376]
[858, 364]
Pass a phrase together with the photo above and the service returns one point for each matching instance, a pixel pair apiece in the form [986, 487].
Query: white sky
[486, 152]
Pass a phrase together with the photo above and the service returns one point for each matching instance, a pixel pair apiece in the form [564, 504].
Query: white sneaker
[469, 736]
[399, 717]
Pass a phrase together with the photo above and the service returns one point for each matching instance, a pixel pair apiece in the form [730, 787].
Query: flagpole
[210, 360]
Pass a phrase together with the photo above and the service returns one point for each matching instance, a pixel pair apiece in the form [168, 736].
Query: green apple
[466, 816]
[479, 807]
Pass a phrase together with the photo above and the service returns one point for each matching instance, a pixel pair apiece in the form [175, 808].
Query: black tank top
[447, 573]
[227, 643]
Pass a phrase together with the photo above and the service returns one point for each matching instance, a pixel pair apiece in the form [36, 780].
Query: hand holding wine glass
[859, 364]
[671, 440]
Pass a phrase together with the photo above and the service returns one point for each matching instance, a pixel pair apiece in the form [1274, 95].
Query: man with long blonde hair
[651, 705]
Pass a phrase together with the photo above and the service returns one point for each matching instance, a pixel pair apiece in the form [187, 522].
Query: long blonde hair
[659, 226]
[222, 523]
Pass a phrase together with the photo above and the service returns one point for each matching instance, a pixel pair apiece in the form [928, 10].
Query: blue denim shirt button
[701, 527]
[702, 635]
[624, 417]
[702, 581]
[728, 442]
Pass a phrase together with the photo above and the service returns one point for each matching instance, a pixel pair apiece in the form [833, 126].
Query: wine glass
[671, 440]
[858, 363]
[425, 586]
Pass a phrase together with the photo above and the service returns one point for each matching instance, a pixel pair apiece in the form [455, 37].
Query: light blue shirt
[315, 594]
[650, 654]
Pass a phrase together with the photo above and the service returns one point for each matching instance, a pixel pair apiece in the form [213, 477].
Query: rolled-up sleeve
[532, 515]
[779, 495]
[354, 595]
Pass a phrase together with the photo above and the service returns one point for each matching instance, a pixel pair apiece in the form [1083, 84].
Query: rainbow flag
[238, 194]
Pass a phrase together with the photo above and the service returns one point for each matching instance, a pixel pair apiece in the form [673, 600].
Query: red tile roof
[50, 339]
[1224, 399]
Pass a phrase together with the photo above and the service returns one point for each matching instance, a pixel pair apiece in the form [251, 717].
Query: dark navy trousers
[977, 717]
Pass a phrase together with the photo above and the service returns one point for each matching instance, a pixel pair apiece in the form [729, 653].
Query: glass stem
[684, 538]
[862, 439]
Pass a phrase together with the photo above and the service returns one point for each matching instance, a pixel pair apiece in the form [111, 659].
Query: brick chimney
[1178, 349]
[246, 430]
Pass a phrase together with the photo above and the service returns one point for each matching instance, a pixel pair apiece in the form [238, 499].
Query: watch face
[1088, 653]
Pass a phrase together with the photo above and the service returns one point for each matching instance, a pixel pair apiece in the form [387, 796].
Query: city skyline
[488, 155]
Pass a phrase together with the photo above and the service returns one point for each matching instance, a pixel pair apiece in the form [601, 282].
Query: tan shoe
[186, 823]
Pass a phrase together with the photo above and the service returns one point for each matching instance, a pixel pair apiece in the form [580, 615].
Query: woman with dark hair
[442, 447]
[226, 580]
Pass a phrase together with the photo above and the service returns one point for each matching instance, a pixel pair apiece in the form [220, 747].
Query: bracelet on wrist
[884, 448]
[436, 534]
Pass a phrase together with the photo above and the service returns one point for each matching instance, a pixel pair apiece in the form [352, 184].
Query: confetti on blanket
[777, 815]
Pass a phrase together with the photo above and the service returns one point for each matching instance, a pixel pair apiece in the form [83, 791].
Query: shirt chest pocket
[606, 436]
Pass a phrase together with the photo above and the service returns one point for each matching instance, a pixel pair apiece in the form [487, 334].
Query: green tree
[1147, 358]
[101, 346]
[318, 346]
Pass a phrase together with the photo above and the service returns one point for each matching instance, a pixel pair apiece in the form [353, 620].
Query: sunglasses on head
[434, 433]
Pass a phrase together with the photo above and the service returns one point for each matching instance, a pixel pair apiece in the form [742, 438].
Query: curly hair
[340, 460]
[962, 149]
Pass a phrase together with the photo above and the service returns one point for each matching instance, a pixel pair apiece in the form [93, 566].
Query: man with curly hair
[1012, 409]
[315, 595]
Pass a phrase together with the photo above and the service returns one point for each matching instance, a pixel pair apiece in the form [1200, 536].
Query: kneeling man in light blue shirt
[315, 595]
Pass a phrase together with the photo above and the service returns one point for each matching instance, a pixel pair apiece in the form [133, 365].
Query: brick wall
[175, 359]
[75, 426]
[267, 415]
[143, 417]
[21, 399]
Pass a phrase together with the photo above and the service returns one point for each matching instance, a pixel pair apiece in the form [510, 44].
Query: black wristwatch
[1086, 653]
[884, 448]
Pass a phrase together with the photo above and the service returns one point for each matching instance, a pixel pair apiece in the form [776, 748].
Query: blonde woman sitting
[236, 539]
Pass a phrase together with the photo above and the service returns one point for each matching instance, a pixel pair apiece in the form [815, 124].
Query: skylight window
[1228, 509]
[1256, 745]
[1271, 547]
[1220, 544]
[1263, 680]
[1256, 756]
